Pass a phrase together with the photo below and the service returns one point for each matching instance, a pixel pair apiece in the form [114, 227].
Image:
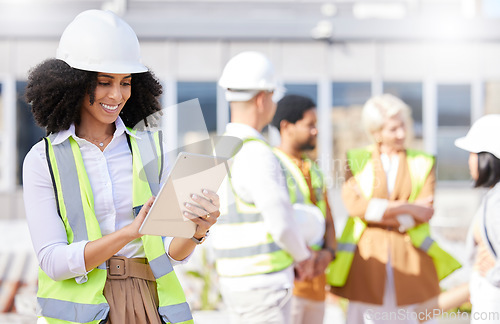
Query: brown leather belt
[385, 227]
[120, 267]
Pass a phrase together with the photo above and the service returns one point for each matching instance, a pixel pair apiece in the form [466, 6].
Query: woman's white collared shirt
[110, 176]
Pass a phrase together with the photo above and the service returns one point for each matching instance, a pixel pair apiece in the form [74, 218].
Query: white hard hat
[100, 41]
[246, 74]
[310, 221]
[483, 136]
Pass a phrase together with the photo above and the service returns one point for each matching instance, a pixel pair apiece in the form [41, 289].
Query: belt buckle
[118, 267]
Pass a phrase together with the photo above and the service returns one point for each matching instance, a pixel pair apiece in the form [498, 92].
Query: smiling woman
[111, 94]
[83, 195]
[389, 194]
[53, 86]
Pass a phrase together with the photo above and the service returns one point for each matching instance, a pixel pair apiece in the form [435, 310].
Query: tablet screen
[190, 174]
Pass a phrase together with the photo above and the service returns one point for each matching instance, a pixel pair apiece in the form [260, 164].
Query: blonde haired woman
[388, 193]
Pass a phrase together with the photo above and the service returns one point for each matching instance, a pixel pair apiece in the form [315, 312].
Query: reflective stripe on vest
[242, 245]
[444, 263]
[297, 185]
[361, 165]
[89, 304]
[298, 188]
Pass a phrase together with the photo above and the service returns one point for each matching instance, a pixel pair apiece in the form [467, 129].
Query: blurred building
[439, 56]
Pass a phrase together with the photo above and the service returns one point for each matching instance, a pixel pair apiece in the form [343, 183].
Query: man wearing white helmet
[257, 242]
[84, 197]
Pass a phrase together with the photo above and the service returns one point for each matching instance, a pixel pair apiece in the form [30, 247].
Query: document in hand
[190, 174]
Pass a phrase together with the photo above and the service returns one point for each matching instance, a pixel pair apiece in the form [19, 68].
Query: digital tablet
[190, 174]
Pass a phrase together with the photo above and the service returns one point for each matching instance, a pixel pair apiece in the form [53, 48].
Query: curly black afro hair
[56, 92]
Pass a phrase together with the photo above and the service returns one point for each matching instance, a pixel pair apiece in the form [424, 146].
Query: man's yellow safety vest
[67, 301]
[298, 189]
[242, 246]
[361, 164]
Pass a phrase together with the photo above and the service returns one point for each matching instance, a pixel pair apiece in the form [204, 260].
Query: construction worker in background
[295, 119]
[84, 196]
[258, 243]
[483, 241]
[386, 260]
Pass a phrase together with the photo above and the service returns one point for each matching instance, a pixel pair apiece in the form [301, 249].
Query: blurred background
[439, 56]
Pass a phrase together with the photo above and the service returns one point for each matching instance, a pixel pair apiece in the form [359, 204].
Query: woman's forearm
[421, 212]
[98, 251]
[395, 208]
[180, 248]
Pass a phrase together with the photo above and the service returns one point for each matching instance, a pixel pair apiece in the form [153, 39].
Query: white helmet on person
[483, 136]
[100, 41]
[246, 74]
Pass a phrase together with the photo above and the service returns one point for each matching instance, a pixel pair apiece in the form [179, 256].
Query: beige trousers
[307, 311]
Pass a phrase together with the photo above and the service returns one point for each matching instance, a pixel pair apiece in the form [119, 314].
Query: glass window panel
[1, 108]
[490, 8]
[303, 89]
[347, 94]
[206, 92]
[452, 162]
[348, 132]
[28, 132]
[454, 104]
[411, 94]
[454, 119]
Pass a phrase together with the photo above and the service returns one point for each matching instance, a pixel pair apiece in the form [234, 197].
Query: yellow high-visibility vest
[242, 246]
[298, 189]
[360, 162]
[67, 301]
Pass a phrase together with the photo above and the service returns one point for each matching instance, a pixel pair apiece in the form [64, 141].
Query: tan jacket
[414, 273]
